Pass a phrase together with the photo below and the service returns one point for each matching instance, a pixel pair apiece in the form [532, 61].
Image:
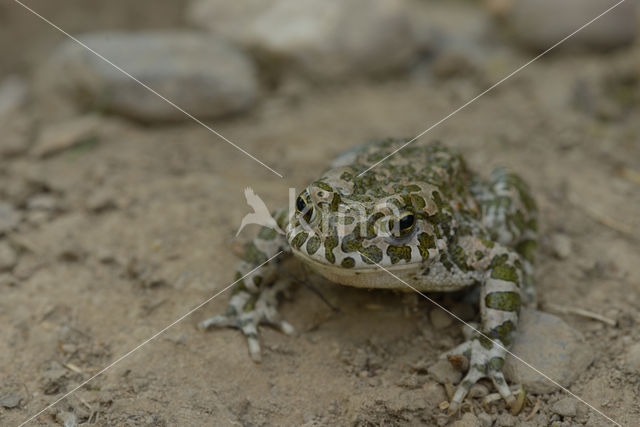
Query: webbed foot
[247, 311]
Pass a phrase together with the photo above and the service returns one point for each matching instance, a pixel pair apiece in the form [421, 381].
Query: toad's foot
[486, 359]
[248, 310]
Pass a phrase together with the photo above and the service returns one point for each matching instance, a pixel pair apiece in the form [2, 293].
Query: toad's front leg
[499, 308]
[254, 299]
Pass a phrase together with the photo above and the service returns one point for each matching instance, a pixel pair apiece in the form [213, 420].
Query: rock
[551, 346]
[9, 217]
[561, 246]
[62, 136]
[485, 419]
[467, 420]
[8, 257]
[442, 371]
[633, 357]
[200, 73]
[101, 200]
[323, 39]
[42, 202]
[505, 420]
[13, 94]
[539, 24]
[440, 319]
[566, 407]
[16, 130]
[10, 400]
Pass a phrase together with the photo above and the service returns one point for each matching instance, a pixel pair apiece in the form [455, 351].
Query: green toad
[421, 216]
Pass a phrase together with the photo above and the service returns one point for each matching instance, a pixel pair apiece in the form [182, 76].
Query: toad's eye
[305, 209]
[407, 222]
[301, 204]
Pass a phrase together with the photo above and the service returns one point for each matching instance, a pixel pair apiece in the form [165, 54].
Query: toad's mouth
[370, 276]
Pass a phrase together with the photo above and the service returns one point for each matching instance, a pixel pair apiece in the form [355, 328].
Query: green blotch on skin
[504, 272]
[346, 176]
[329, 245]
[426, 241]
[352, 242]
[267, 233]
[418, 202]
[459, 258]
[505, 301]
[253, 255]
[257, 280]
[251, 303]
[412, 188]
[313, 244]
[348, 262]
[398, 253]
[503, 332]
[496, 363]
[335, 202]
[371, 255]
[527, 249]
[299, 239]
[323, 185]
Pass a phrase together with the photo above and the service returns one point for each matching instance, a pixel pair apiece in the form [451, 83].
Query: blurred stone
[467, 420]
[64, 135]
[440, 319]
[13, 94]
[552, 346]
[200, 73]
[561, 246]
[566, 407]
[10, 400]
[324, 39]
[15, 133]
[443, 372]
[539, 24]
[8, 257]
[9, 217]
[633, 357]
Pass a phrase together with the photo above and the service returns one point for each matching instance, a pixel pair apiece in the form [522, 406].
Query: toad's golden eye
[304, 208]
[407, 222]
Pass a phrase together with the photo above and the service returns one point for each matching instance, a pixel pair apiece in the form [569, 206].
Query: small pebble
[566, 407]
[633, 357]
[505, 420]
[552, 346]
[8, 256]
[485, 419]
[10, 400]
[64, 135]
[9, 217]
[467, 420]
[561, 246]
[442, 371]
[440, 319]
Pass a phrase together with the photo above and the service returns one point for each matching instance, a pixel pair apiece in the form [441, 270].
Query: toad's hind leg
[509, 215]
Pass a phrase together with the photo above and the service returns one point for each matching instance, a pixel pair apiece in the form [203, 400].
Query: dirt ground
[138, 228]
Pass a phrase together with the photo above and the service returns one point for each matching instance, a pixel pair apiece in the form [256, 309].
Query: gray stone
[9, 217]
[506, 420]
[561, 246]
[10, 400]
[323, 39]
[201, 73]
[8, 257]
[633, 357]
[566, 407]
[440, 319]
[539, 24]
[485, 419]
[443, 372]
[551, 346]
[467, 420]
[13, 94]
